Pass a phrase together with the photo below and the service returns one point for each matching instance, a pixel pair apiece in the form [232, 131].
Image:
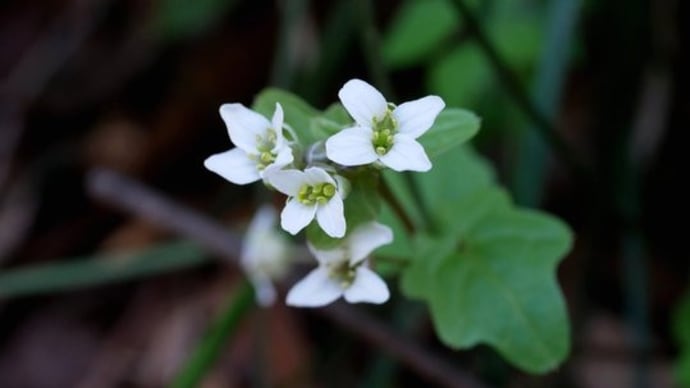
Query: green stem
[518, 93]
[397, 207]
[108, 268]
[371, 42]
[211, 345]
[428, 221]
[532, 153]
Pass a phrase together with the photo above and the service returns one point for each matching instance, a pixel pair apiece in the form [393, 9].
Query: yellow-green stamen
[384, 130]
[342, 273]
[320, 193]
[265, 145]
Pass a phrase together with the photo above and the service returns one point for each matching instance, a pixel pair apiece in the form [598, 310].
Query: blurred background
[584, 107]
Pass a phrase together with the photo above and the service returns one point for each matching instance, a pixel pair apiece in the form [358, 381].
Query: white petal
[362, 101]
[262, 223]
[331, 217]
[406, 154]
[287, 182]
[327, 256]
[316, 175]
[367, 287]
[233, 165]
[352, 147]
[283, 158]
[315, 290]
[367, 237]
[244, 125]
[277, 124]
[296, 216]
[416, 117]
[264, 291]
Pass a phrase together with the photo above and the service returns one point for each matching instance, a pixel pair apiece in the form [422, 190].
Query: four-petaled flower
[265, 255]
[343, 271]
[311, 193]
[259, 144]
[383, 132]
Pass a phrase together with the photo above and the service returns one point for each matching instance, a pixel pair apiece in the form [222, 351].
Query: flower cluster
[383, 135]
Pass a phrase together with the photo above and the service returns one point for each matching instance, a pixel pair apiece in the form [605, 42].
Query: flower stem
[510, 81]
[215, 339]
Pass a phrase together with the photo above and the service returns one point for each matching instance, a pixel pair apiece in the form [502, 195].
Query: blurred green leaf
[452, 127]
[108, 268]
[215, 339]
[337, 113]
[417, 29]
[400, 248]
[518, 40]
[461, 76]
[681, 332]
[177, 18]
[298, 113]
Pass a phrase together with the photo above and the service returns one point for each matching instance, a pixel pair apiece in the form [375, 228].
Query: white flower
[383, 132]
[343, 271]
[311, 193]
[258, 145]
[265, 255]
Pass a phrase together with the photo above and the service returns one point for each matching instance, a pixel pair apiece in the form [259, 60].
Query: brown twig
[410, 353]
[142, 201]
[136, 198]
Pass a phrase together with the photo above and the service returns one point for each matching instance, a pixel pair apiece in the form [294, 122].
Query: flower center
[384, 129]
[265, 146]
[342, 273]
[321, 193]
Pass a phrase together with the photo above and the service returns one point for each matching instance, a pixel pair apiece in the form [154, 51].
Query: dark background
[135, 86]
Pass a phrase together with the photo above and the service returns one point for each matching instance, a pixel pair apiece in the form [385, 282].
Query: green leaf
[490, 277]
[682, 369]
[337, 113]
[450, 187]
[215, 338]
[452, 127]
[176, 18]
[298, 113]
[681, 332]
[400, 248]
[333, 119]
[418, 28]
[400, 190]
[517, 32]
[108, 268]
[429, 253]
[500, 288]
[461, 76]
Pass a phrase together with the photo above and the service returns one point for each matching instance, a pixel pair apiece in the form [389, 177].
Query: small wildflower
[343, 271]
[265, 255]
[311, 193]
[383, 133]
[259, 144]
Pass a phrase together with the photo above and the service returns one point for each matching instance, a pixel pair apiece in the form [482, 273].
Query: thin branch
[437, 371]
[510, 81]
[136, 198]
[142, 201]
